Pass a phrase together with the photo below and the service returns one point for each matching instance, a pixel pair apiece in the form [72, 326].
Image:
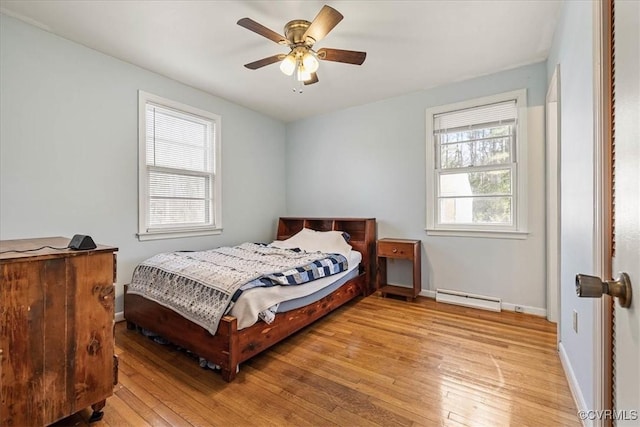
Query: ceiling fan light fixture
[310, 61]
[288, 64]
[300, 36]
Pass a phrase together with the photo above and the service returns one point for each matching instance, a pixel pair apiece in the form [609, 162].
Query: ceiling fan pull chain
[298, 85]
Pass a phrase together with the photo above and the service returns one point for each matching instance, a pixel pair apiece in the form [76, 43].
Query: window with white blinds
[474, 165]
[179, 169]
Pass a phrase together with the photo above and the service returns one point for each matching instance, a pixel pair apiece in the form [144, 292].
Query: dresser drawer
[395, 249]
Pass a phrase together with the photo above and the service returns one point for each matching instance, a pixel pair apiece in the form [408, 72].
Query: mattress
[256, 300]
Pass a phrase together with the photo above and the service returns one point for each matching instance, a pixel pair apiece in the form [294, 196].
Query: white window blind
[179, 182]
[484, 115]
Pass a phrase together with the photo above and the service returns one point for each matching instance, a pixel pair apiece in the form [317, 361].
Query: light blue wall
[370, 161]
[572, 49]
[68, 149]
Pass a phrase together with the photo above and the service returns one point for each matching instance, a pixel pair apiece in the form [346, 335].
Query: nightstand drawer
[395, 249]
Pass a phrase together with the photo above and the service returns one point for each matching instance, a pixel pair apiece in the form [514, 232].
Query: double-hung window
[179, 170]
[476, 182]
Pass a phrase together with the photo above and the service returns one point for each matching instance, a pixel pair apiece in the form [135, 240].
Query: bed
[231, 345]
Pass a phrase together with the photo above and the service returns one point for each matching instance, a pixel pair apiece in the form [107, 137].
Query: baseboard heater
[468, 300]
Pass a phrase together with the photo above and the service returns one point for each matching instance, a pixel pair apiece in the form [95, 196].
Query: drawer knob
[394, 250]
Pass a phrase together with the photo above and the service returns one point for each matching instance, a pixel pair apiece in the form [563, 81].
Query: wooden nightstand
[399, 249]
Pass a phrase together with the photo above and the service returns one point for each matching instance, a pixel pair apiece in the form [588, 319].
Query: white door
[627, 208]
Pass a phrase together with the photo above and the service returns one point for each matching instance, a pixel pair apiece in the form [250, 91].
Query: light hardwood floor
[376, 361]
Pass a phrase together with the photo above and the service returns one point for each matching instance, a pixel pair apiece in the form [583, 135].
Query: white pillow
[308, 240]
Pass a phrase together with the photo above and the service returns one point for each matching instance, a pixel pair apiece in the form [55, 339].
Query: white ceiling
[410, 45]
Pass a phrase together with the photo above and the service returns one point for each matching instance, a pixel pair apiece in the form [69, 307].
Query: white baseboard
[427, 293]
[573, 384]
[119, 316]
[536, 311]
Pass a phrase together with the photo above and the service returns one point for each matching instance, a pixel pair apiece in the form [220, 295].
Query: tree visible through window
[473, 165]
[481, 193]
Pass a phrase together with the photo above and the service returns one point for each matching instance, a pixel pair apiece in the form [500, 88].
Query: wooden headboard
[361, 230]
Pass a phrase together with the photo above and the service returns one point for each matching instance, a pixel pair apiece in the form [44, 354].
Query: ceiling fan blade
[257, 28]
[312, 80]
[324, 22]
[264, 61]
[339, 55]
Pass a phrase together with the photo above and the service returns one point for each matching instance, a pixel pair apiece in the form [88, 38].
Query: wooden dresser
[56, 331]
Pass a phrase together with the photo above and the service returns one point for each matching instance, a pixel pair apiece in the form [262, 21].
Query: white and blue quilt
[203, 286]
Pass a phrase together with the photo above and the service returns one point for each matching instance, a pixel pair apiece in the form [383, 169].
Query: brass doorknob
[593, 287]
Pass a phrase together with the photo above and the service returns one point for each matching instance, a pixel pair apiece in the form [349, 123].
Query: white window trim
[519, 229]
[170, 233]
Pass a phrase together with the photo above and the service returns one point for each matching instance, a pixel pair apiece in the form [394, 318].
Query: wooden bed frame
[229, 346]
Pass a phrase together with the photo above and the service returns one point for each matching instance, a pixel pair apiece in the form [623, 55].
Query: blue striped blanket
[203, 286]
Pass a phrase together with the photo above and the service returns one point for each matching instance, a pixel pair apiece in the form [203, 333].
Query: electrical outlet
[519, 309]
[575, 321]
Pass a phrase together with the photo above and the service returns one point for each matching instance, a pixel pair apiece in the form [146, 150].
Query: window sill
[177, 234]
[487, 234]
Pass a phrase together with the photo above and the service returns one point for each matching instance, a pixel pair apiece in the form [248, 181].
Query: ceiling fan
[300, 36]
